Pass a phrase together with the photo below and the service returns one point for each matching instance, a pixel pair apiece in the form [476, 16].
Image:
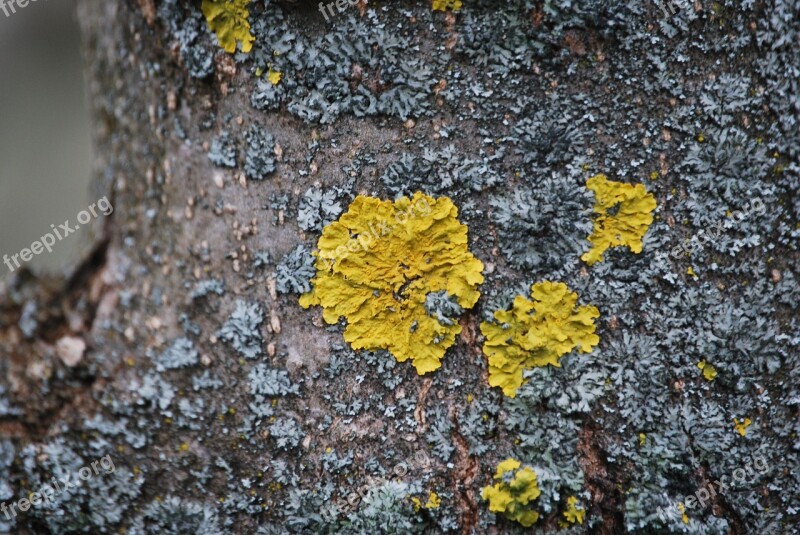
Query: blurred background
[45, 150]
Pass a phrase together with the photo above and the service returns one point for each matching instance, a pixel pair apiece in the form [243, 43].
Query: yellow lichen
[623, 213]
[377, 265]
[228, 19]
[511, 495]
[434, 501]
[572, 513]
[274, 77]
[741, 427]
[537, 333]
[684, 516]
[709, 372]
[444, 5]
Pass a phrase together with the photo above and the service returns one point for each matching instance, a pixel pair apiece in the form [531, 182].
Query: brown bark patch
[606, 497]
[467, 468]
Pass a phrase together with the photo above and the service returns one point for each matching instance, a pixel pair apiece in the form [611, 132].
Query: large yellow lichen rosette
[377, 265]
[228, 19]
[537, 333]
[514, 493]
[622, 215]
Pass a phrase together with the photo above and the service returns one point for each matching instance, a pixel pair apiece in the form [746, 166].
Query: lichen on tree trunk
[227, 407]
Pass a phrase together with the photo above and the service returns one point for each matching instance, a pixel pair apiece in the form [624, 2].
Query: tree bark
[228, 408]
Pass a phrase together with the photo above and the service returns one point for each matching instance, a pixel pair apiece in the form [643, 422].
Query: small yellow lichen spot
[623, 213]
[434, 501]
[379, 263]
[709, 372]
[690, 271]
[572, 513]
[654, 175]
[741, 427]
[684, 516]
[511, 496]
[537, 333]
[274, 77]
[642, 439]
[444, 5]
[184, 447]
[470, 398]
[228, 19]
[701, 138]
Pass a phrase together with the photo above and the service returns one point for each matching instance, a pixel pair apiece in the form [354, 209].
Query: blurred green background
[45, 150]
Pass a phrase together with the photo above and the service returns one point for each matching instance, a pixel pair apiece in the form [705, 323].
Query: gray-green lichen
[265, 417]
[243, 329]
[295, 271]
[260, 155]
[223, 151]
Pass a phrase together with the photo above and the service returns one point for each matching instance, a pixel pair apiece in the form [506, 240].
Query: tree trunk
[227, 407]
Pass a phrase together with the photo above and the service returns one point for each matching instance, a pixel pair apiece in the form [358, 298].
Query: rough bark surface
[228, 408]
